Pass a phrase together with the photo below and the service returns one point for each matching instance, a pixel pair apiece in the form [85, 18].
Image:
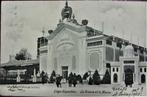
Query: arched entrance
[143, 78]
[128, 77]
[115, 78]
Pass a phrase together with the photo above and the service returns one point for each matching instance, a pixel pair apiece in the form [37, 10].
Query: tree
[106, 78]
[90, 82]
[96, 78]
[23, 55]
[52, 77]
[84, 22]
[85, 76]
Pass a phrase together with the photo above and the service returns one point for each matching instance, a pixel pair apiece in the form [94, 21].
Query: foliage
[90, 82]
[23, 55]
[52, 77]
[96, 78]
[107, 78]
[84, 22]
[85, 76]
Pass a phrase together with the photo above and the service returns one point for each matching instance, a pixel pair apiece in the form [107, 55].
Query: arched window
[140, 69]
[143, 78]
[74, 62]
[113, 69]
[115, 78]
[144, 69]
[117, 69]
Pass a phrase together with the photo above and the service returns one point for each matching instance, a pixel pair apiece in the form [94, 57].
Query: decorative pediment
[72, 27]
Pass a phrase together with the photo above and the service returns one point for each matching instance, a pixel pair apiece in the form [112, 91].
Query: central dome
[66, 11]
[129, 51]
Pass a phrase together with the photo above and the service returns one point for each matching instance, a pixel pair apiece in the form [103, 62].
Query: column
[50, 57]
[82, 55]
[34, 75]
[18, 76]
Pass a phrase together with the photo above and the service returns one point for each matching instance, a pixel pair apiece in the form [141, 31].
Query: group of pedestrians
[72, 80]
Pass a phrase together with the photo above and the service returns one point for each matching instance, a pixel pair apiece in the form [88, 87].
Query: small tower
[66, 12]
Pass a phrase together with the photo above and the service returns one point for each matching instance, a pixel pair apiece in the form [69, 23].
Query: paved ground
[85, 90]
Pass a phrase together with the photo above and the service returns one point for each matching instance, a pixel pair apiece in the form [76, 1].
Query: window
[117, 54]
[143, 78]
[144, 69]
[109, 42]
[140, 69]
[109, 53]
[135, 49]
[129, 62]
[141, 58]
[115, 78]
[94, 43]
[94, 60]
[141, 51]
[108, 65]
[119, 45]
[113, 69]
[117, 69]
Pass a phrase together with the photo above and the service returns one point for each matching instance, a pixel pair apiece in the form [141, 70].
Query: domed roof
[129, 47]
[129, 51]
[66, 11]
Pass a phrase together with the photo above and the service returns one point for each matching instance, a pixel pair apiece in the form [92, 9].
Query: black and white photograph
[73, 48]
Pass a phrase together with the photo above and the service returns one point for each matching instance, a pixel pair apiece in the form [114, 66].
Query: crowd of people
[72, 80]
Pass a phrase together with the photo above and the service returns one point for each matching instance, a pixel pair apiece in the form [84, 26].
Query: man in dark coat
[58, 80]
[70, 79]
[74, 80]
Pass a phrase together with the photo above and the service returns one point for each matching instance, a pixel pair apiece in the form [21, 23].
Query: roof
[61, 26]
[20, 63]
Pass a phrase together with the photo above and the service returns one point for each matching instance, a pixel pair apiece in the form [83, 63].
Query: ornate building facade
[78, 48]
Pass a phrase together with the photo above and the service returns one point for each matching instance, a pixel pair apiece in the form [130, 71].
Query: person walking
[58, 80]
[70, 79]
[74, 80]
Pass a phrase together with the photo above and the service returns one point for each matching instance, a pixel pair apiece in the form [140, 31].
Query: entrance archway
[143, 78]
[115, 78]
[128, 76]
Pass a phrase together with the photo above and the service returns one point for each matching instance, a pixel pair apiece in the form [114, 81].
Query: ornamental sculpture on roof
[66, 12]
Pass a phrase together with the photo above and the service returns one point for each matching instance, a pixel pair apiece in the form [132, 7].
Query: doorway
[65, 72]
[143, 78]
[128, 77]
[115, 78]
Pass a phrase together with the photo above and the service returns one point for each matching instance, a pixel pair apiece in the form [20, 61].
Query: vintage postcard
[73, 48]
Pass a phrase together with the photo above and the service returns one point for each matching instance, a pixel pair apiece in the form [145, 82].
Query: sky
[22, 22]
